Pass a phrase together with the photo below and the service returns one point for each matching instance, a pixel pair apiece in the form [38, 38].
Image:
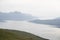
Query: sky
[44, 9]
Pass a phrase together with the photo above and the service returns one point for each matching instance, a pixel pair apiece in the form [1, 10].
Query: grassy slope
[17, 35]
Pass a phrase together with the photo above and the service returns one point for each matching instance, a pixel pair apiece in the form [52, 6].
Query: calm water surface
[45, 31]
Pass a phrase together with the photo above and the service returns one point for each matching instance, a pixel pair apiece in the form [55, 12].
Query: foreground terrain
[6, 34]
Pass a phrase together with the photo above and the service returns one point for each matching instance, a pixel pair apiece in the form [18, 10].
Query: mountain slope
[15, 16]
[55, 22]
[17, 35]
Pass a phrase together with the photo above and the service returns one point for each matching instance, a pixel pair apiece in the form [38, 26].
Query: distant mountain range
[55, 22]
[15, 16]
[18, 16]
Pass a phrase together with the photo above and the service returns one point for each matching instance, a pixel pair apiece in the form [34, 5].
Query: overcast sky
[45, 9]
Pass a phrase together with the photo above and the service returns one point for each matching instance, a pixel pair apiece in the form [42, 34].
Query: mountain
[6, 34]
[55, 22]
[15, 16]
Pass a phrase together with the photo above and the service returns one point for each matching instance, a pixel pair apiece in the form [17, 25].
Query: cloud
[40, 8]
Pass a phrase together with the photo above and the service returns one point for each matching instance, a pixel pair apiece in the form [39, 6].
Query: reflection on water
[45, 31]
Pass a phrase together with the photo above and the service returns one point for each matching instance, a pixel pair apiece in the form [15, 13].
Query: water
[45, 31]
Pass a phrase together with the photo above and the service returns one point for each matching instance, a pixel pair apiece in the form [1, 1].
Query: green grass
[6, 34]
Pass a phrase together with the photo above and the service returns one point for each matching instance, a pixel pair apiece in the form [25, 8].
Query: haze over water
[45, 31]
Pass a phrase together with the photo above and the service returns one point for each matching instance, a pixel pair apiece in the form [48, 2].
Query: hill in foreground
[6, 34]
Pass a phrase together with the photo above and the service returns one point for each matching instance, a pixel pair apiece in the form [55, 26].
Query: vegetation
[6, 34]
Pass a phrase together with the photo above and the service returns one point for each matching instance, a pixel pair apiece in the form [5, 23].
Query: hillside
[55, 22]
[15, 16]
[6, 34]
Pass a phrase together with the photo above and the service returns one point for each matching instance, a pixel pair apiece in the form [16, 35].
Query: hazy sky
[45, 9]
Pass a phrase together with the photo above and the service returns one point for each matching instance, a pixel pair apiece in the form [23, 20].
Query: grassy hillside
[17, 35]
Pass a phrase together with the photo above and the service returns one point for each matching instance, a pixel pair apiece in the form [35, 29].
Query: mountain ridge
[18, 16]
[55, 22]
